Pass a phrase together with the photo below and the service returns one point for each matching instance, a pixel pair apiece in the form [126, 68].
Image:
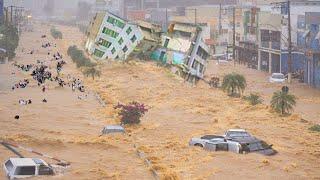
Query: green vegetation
[283, 102]
[315, 128]
[79, 57]
[92, 71]
[9, 39]
[55, 33]
[253, 99]
[234, 84]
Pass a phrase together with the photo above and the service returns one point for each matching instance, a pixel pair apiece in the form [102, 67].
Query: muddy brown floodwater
[68, 128]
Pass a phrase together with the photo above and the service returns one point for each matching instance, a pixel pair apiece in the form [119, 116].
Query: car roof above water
[23, 162]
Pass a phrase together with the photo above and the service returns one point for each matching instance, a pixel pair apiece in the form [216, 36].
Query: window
[222, 147]
[194, 64]
[201, 68]
[120, 41]
[129, 30]
[125, 49]
[115, 22]
[166, 43]
[45, 170]
[133, 39]
[110, 32]
[119, 24]
[104, 43]
[25, 170]
[9, 165]
[98, 53]
[113, 50]
[110, 20]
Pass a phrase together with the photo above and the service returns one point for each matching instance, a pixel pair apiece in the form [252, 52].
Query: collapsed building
[184, 46]
[112, 37]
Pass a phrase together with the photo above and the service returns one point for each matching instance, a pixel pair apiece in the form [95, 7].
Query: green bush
[79, 57]
[55, 33]
[253, 99]
[283, 102]
[9, 40]
[234, 84]
[315, 128]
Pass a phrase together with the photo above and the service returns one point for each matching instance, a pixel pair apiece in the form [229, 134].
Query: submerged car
[277, 78]
[235, 133]
[26, 167]
[201, 142]
[252, 144]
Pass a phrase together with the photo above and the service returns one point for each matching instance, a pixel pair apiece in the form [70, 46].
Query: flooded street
[308, 102]
[69, 128]
[64, 127]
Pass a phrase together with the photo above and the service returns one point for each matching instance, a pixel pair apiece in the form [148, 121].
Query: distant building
[311, 40]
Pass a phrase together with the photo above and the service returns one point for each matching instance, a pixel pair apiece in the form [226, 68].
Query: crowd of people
[21, 84]
[41, 73]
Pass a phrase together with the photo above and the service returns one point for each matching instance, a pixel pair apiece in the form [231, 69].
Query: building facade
[112, 37]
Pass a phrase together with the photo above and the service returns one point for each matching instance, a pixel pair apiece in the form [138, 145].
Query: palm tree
[234, 84]
[93, 71]
[283, 102]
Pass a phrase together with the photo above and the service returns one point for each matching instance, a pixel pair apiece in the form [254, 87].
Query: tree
[283, 102]
[93, 71]
[234, 84]
[9, 40]
[131, 113]
[253, 99]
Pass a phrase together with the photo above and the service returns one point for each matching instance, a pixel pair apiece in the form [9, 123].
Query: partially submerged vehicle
[277, 78]
[112, 129]
[26, 167]
[234, 140]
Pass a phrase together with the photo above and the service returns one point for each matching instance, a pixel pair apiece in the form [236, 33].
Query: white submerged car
[277, 78]
[201, 142]
[26, 167]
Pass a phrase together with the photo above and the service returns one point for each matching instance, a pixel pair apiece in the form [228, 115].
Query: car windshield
[237, 134]
[278, 76]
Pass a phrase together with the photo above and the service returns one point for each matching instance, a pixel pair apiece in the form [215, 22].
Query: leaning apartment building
[112, 37]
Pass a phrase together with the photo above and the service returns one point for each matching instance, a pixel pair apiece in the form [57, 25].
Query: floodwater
[69, 128]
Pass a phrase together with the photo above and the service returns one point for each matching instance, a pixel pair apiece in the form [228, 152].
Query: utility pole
[234, 36]
[220, 9]
[11, 8]
[195, 16]
[166, 19]
[289, 44]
